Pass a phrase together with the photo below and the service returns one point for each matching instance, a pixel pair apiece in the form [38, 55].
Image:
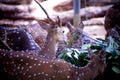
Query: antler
[49, 19]
[5, 41]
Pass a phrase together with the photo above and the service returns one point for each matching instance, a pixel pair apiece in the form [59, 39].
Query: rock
[112, 18]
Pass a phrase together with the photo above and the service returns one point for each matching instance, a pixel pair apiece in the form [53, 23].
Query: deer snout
[63, 39]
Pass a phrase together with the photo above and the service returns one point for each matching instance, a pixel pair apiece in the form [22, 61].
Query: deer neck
[50, 47]
[88, 72]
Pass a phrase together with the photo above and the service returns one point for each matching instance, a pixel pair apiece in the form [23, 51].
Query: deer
[55, 37]
[56, 34]
[47, 40]
[16, 39]
[19, 39]
[21, 65]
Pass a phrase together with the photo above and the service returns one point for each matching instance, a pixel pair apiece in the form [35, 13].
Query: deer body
[16, 39]
[24, 66]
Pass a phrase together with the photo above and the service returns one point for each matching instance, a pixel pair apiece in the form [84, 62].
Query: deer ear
[69, 25]
[102, 54]
[81, 25]
[91, 53]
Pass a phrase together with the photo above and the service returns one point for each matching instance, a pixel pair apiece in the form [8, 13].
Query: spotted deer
[49, 39]
[21, 65]
[55, 34]
[16, 39]
[19, 39]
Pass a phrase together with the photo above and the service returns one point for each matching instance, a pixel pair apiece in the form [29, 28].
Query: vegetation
[81, 57]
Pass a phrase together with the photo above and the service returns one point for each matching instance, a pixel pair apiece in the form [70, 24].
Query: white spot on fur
[68, 77]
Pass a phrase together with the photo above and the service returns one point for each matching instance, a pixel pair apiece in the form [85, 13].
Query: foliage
[78, 58]
[113, 55]
[81, 57]
[112, 50]
[74, 36]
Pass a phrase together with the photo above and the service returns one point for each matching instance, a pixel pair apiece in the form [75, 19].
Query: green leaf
[74, 36]
[110, 57]
[115, 63]
[86, 46]
[98, 47]
[112, 46]
[117, 52]
[116, 69]
[69, 43]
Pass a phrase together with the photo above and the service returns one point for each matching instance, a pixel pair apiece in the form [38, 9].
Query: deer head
[75, 35]
[59, 31]
[98, 61]
[19, 65]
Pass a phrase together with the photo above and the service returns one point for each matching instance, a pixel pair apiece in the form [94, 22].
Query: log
[90, 12]
[94, 21]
